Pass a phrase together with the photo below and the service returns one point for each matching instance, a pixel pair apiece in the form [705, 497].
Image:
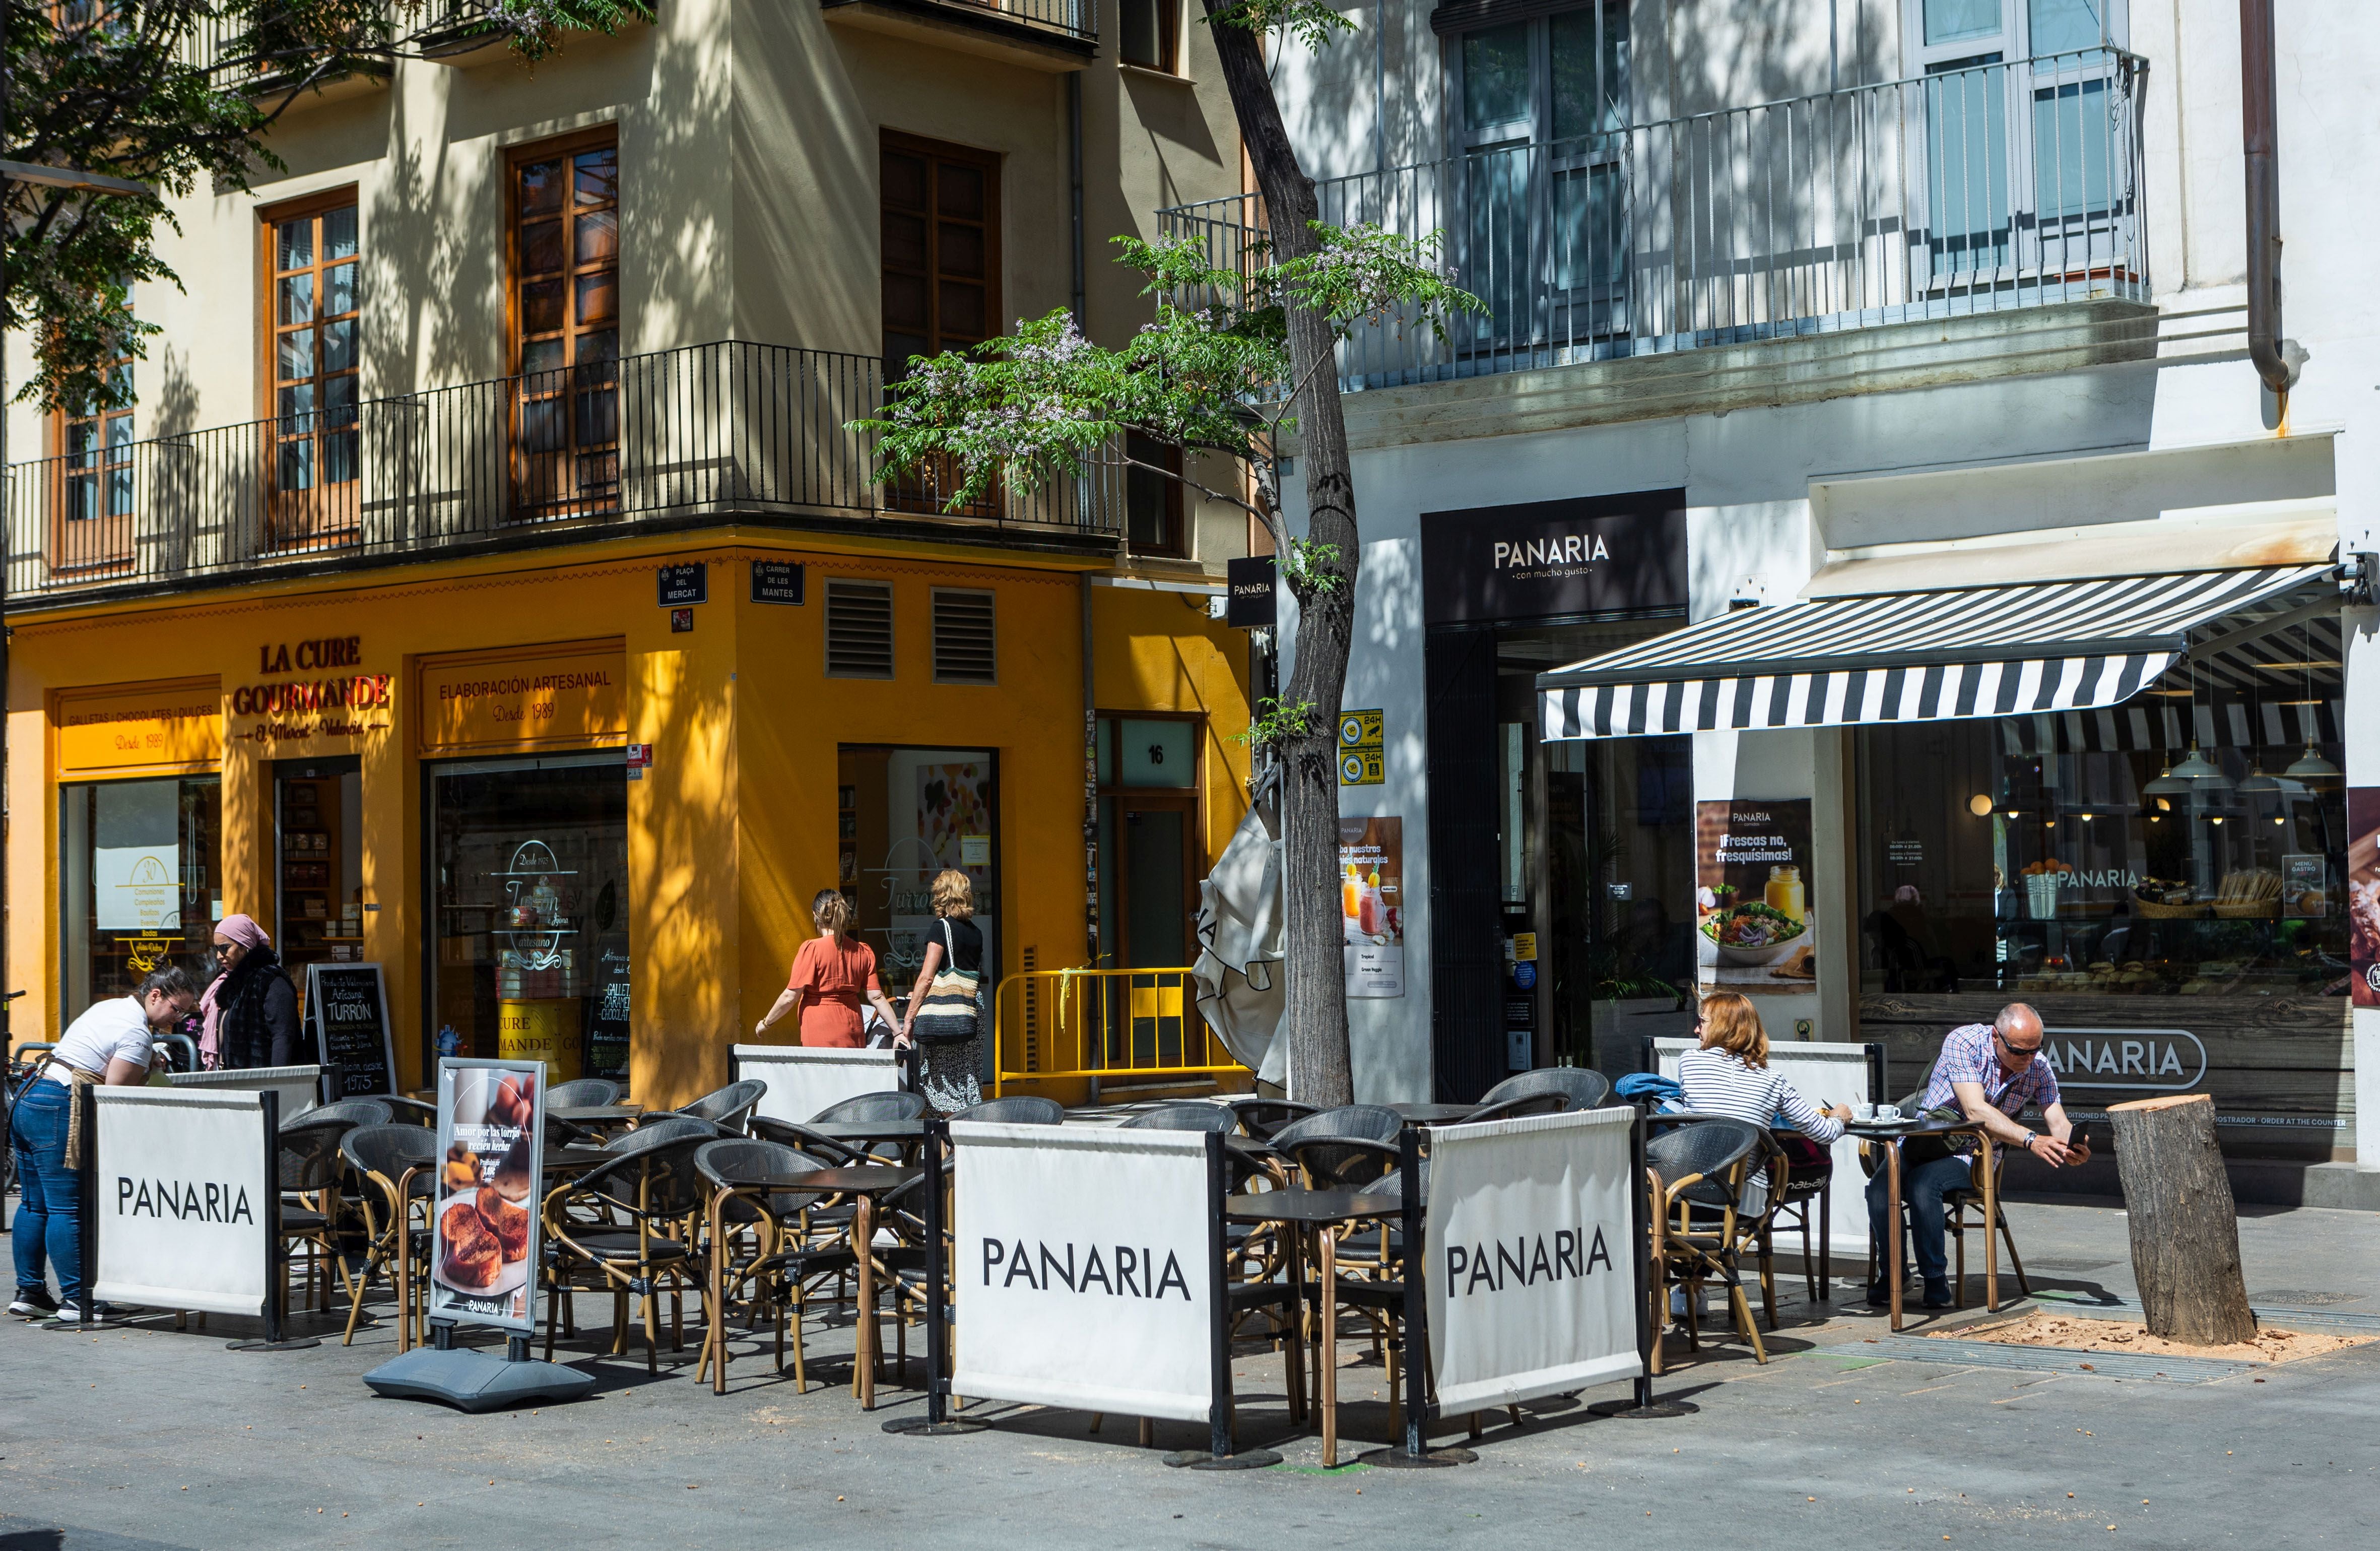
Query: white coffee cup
[1863, 1112]
[1887, 1112]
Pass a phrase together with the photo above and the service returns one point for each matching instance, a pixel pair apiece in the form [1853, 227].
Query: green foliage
[1209, 374]
[1312, 569]
[1279, 724]
[1311, 22]
[177, 94]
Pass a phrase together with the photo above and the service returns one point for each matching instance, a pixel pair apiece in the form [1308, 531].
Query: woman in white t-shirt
[113, 1044]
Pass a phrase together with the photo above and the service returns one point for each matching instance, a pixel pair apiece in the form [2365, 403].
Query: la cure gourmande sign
[309, 689]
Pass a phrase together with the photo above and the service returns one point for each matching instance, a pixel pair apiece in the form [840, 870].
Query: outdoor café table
[1889, 1135]
[868, 1182]
[1433, 1114]
[595, 1119]
[1315, 1213]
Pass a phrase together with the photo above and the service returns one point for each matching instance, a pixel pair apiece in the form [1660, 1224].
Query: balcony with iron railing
[1066, 31]
[1970, 190]
[730, 430]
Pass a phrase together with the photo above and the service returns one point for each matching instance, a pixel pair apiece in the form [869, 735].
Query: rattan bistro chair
[1261, 1117]
[309, 1172]
[1585, 1087]
[761, 1236]
[624, 1227]
[1016, 1110]
[1961, 1209]
[1186, 1116]
[584, 1092]
[391, 1161]
[1518, 1106]
[1701, 1165]
[727, 1108]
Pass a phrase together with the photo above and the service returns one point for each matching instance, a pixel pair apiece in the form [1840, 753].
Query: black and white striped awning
[2043, 647]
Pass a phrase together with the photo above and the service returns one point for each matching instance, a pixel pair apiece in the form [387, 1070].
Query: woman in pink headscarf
[249, 1013]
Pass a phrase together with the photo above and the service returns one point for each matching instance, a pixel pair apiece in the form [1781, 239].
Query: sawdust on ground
[2042, 1328]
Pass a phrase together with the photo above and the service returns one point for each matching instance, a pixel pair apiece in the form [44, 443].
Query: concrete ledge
[2254, 1182]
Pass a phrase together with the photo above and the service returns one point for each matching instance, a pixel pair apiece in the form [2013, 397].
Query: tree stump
[2185, 1229]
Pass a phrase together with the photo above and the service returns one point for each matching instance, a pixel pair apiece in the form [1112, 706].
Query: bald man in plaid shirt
[1989, 1072]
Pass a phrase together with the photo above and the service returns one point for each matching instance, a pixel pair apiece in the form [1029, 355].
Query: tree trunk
[2185, 1232]
[1316, 993]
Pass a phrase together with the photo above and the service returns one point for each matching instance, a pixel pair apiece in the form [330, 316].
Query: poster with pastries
[2364, 895]
[1755, 923]
[483, 1250]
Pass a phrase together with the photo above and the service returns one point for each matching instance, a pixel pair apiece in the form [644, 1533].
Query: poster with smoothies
[1371, 905]
[1755, 926]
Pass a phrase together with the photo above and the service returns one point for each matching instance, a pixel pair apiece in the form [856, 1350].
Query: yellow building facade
[485, 582]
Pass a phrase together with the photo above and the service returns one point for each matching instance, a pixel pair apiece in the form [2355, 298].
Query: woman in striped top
[1728, 1075]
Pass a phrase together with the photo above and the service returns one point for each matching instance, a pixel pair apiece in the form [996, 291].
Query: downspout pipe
[1075, 185]
[2277, 359]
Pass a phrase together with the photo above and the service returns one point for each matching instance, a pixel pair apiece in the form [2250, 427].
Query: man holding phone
[1989, 1072]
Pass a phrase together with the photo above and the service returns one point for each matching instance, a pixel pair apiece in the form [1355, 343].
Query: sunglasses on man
[2021, 1053]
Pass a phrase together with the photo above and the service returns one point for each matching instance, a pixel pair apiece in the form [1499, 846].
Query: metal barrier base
[925, 1427]
[1428, 1460]
[1245, 1460]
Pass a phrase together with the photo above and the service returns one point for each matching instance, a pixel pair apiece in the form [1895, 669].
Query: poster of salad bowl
[1753, 910]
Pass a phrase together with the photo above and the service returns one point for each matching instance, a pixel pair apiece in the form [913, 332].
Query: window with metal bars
[858, 629]
[964, 651]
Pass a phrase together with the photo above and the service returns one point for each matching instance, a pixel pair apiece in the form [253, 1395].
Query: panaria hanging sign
[295, 710]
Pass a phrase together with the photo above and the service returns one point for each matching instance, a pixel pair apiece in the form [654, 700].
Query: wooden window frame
[1170, 492]
[326, 513]
[100, 544]
[1169, 42]
[534, 498]
[922, 492]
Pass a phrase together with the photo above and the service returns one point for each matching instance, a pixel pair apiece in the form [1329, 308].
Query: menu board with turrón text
[349, 1007]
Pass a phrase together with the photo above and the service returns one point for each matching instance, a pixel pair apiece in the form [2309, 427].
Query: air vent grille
[858, 629]
[963, 638]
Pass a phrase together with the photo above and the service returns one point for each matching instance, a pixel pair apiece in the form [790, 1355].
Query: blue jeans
[49, 1221]
[1922, 1191]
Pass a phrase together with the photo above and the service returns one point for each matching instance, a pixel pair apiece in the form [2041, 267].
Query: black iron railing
[730, 429]
[1972, 190]
[1075, 20]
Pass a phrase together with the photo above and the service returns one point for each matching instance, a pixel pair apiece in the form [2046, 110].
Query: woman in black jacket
[249, 1010]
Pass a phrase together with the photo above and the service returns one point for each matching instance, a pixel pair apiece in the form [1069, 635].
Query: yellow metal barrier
[1104, 1024]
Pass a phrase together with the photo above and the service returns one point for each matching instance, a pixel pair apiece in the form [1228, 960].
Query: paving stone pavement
[149, 1438]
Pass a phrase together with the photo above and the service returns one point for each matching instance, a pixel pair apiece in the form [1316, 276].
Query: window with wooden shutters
[941, 233]
[566, 257]
[858, 629]
[315, 298]
[91, 523]
[964, 651]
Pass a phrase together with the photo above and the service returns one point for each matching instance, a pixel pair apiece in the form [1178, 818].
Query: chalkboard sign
[347, 1004]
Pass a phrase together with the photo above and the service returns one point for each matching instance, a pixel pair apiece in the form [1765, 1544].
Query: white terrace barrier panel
[1533, 1244]
[1825, 1074]
[1086, 1269]
[186, 1203]
[297, 1087]
[802, 1080]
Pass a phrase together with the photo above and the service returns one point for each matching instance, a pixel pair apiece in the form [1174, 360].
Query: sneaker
[1937, 1292]
[71, 1314]
[35, 1303]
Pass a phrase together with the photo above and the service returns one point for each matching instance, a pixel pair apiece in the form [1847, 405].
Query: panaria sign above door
[1553, 559]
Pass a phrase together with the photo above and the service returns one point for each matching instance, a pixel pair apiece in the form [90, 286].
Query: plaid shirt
[1968, 1056]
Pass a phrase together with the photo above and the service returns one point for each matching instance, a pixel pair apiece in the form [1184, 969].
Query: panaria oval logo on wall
[2167, 1060]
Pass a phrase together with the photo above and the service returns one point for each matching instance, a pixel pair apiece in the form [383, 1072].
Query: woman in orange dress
[831, 972]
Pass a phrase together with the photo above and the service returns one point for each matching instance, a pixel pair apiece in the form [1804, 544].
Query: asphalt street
[155, 1437]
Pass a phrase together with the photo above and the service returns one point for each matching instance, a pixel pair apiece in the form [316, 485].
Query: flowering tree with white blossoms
[1218, 376]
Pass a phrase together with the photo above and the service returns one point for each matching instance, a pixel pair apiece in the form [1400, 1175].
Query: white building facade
[1853, 557]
